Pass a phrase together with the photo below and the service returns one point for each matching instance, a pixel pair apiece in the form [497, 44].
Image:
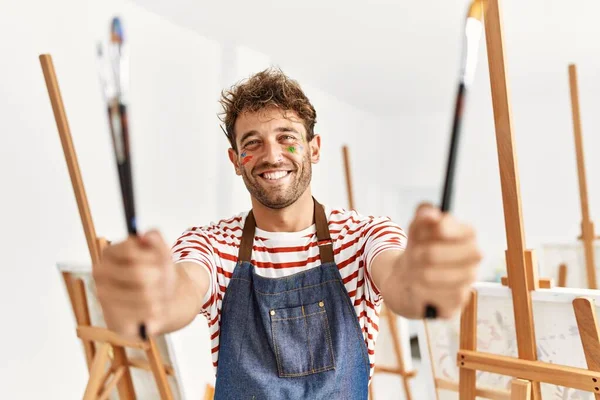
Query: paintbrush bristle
[116, 31]
[477, 9]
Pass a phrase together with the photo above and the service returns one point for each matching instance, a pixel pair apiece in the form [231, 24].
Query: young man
[291, 289]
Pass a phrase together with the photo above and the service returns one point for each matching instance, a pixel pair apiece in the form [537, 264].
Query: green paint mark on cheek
[291, 149]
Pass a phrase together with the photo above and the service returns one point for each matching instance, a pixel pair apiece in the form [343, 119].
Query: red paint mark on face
[245, 160]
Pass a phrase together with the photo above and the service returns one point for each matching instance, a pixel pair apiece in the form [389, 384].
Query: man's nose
[273, 152]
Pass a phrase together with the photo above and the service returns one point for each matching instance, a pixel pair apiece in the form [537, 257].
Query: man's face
[273, 156]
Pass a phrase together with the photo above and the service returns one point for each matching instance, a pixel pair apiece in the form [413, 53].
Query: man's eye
[251, 143]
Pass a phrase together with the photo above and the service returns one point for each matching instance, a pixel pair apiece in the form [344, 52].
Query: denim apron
[295, 337]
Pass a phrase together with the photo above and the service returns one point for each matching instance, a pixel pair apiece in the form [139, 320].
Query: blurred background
[382, 76]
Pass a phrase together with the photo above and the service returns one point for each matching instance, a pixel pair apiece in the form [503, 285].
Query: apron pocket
[302, 340]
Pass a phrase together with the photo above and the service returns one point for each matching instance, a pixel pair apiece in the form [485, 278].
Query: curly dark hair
[268, 88]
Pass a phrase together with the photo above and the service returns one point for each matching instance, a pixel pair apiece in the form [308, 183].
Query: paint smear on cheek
[291, 149]
[245, 158]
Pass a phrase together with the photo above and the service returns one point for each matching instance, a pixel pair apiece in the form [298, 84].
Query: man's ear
[233, 157]
[315, 149]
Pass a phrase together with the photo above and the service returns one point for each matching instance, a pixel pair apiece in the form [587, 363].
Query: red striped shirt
[357, 239]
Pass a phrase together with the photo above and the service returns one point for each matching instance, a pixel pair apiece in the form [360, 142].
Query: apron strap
[323, 237]
[247, 238]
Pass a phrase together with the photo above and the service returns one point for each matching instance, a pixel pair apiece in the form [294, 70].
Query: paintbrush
[472, 35]
[117, 111]
[114, 77]
[471, 38]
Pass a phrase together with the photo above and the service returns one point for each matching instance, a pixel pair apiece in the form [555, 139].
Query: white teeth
[274, 175]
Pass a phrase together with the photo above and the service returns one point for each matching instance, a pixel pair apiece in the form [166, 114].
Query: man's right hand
[137, 282]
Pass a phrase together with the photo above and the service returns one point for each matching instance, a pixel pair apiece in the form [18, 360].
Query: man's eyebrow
[278, 129]
[247, 135]
[286, 129]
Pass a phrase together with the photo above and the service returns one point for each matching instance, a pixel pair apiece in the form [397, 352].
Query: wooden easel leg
[511, 192]
[432, 361]
[590, 256]
[82, 315]
[209, 392]
[468, 341]
[587, 226]
[97, 373]
[520, 390]
[125, 385]
[392, 320]
[562, 275]
[585, 313]
[111, 385]
[109, 372]
[158, 369]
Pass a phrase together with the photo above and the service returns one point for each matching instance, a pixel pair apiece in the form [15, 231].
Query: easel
[587, 226]
[390, 317]
[587, 235]
[101, 346]
[522, 279]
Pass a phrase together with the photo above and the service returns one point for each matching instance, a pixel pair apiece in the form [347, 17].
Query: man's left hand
[440, 263]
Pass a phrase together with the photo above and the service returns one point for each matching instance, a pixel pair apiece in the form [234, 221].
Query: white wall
[181, 172]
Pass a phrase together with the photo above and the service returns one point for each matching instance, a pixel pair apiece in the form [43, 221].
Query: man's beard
[279, 197]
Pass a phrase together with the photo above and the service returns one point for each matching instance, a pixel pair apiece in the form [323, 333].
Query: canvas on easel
[144, 383]
[558, 341]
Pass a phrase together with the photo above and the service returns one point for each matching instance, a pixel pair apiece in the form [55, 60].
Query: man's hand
[437, 268]
[136, 282]
[440, 261]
